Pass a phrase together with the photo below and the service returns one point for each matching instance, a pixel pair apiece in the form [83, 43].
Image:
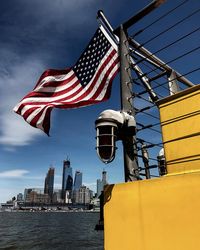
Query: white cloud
[14, 131]
[17, 173]
[20, 71]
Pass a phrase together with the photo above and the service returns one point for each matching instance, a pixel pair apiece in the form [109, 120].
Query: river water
[46, 231]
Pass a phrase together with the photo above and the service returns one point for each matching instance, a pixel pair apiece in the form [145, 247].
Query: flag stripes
[64, 89]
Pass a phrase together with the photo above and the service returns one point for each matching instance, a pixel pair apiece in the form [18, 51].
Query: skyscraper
[67, 180]
[77, 186]
[20, 197]
[84, 195]
[78, 180]
[99, 187]
[101, 183]
[104, 180]
[49, 183]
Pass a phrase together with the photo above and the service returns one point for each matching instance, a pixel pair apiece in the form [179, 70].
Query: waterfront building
[91, 194]
[20, 197]
[67, 179]
[76, 196]
[101, 183]
[34, 197]
[49, 183]
[68, 197]
[104, 178]
[84, 195]
[99, 187]
[27, 191]
[57, 196]
[77, 184]
[78, 180]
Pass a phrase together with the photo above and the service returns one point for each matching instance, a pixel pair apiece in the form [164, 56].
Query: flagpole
[131, 171]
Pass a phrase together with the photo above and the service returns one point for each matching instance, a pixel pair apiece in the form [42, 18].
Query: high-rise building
[57, 196]
[34, 197]
[101, 183]
[84, 195]
[99, 187]
[20, 197]
[78, 180]
[49, 183]
[67, 180]
[26, 192]
[77, 186]
[104, 179]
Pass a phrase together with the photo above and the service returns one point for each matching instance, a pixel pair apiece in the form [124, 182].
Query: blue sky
[37, 35]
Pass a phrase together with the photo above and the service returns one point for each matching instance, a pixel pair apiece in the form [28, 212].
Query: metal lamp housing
[109, 126]
[106, 140]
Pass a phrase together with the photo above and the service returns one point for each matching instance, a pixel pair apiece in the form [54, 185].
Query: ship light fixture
[111, 126]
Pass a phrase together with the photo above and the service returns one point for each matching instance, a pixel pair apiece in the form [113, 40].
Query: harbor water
[50, 230]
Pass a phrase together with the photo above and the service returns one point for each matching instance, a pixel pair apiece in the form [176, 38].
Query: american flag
[87, 82]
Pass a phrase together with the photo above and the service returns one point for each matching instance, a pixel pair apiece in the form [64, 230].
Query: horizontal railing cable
[176, 78]
[150, 143]
[144, 109]
[153, 116]
[169, 45]
[160, 18]
[150, 126]
[147, 126]
[173, 60]
[134, 95]
[171, 27]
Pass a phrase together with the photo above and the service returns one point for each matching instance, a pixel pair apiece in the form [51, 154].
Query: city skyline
[48, 182]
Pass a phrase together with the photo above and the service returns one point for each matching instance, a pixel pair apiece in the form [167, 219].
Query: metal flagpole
[129, 142]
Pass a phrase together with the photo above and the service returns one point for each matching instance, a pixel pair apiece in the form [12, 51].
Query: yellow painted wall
[180, 122]
[162, 213]
[156, 214]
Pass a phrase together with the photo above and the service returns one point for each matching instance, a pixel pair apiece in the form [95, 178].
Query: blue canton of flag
[88, 62]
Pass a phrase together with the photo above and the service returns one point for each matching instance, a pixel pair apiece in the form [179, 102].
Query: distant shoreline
[27, 211]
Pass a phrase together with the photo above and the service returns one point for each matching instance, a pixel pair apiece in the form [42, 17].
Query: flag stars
[88, 63]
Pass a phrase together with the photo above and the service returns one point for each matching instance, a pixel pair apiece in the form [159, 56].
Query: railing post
[129, 142]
